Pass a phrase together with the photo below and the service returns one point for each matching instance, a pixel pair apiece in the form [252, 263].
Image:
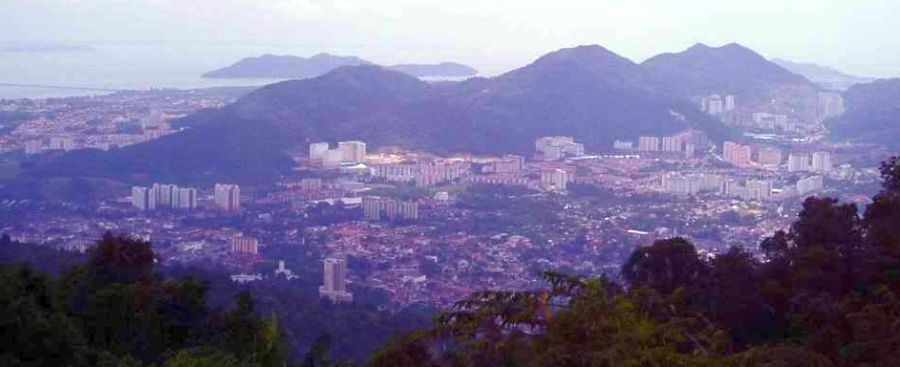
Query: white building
[227, 197]
[352, 151]
[165, 194]
[672, 144]
[553, 148]
[284, 271]
[798, 162]
[334, 281]
[771, 121]
[244, 244]
[34, 146]
[317, 151]
[830, 104]
[749, 190]
[623, 145]
[378, 208]
[810, 184]
[507, 164]
[677, 183]
[736, 154]
[759, 189]
[161, 196]
[648, 143]
[62, 143]
[716, 104]
[821, 162]
[332, 158]
[186, 199]
[729, 103]
[555, 179]
[770, 157]
[140, 198]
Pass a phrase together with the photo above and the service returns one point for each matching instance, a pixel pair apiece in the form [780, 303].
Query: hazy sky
[858, 36]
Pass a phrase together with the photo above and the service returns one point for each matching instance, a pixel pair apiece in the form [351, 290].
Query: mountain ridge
[757, 84]
[587, 92]
[298, 67]
[731, 68]
[825, 76]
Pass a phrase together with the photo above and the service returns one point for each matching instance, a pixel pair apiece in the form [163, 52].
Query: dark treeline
[824, 293]
[116, 310]
[311, 332]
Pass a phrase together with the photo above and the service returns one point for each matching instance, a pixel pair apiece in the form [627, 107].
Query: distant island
[296, 67]
[46, 48]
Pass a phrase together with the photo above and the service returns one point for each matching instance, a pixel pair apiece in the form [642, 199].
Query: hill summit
[588, 92]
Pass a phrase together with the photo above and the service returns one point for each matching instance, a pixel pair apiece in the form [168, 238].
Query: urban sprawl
[430, 228]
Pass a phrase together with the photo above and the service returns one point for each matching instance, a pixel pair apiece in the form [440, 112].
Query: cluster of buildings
[699, 183]
[347, 152]
[377, 208]
[554, 148]
[771, 121]
[410, 257]
[227, 197]
[744, 156]
[508, 164]
[716, 104]
[748, 189]
[690, 184]
[506, 256]
[737, 154]
[809, 184]
[659, 144]
[424, 174]
[101, 122]
[169, 196]
[166, 196]
[819, 162]
[39, 145]
[758, 189]
[783, 112]
[244, 244]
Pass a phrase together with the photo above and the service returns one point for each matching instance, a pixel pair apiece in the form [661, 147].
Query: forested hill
[872, 116]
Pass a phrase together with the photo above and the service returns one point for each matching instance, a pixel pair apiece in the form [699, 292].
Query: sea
[132, 66]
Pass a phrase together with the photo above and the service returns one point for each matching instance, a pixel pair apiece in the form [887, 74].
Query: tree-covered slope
[872, 116]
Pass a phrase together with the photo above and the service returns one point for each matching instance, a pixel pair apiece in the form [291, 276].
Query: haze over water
[130, 66]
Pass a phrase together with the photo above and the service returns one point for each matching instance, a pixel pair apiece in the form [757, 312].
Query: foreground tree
[116, 311]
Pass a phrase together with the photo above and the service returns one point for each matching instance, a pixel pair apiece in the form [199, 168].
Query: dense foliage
[871, 117]
[824, 293]
[115, 310]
